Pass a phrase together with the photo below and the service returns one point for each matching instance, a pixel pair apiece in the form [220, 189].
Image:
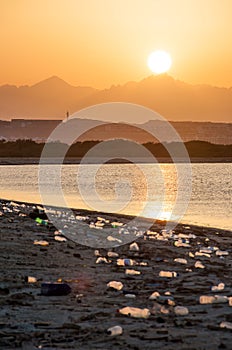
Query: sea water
[148, 190]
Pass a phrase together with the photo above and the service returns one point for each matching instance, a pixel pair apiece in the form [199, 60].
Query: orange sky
[105, 42]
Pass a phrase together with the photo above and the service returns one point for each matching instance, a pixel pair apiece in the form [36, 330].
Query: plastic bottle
[181, 261]
[113, 239]
[203, 254]
[60, 239]
[30, 279]
[206, 250]
[41, 221]
[112, 255]
[102, 260]
[132, 272]
[154, 295]
[213, 299]
[116, 330]
[181, 244]
[181, 310]
[135, 312]
[199, 265]
[116, 224]
[222, 253]
[134, 247]
[115, 285]
[43, 243]
[125, 262]
[168, 274]
[129, 295]
[220, 287]
[227, 325]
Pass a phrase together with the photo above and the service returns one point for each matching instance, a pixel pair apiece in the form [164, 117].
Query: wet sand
[79, 320]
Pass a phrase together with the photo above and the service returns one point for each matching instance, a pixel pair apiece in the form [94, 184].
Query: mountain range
[173, 99]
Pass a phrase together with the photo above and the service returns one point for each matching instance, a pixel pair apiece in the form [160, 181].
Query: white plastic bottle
[116, 330]
[135, 312]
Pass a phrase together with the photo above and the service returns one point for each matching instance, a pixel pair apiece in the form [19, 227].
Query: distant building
[39, 130]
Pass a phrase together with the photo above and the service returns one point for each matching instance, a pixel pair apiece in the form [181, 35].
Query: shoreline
[79, 320]
[119, 216]
[70, 161]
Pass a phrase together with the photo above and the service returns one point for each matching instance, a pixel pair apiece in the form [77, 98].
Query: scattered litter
[58, 232]
[135, 312]
[181, 310]
[216, 299]
[43, 243]
[115, 285]
[116, 330]
[99, 224]
[97, 253]
[180, 243]
[112, 255]
[93, 225]
[164, 310]
[208, 250]
[132, 272]
[113, 239]
[129, 295]
[102, 260]
[103, 219]
[125, 262]
[81, 218]
[41, 221]
[30, 279]
[199, 265]
[79, 296]
[222, 253]
[168, 274]
[60, 239]
[154, 295]
[116, 224]
[220, 287]
[181, 261]
[227, 325]
[203, 254]
[48, 288]
[134, 247]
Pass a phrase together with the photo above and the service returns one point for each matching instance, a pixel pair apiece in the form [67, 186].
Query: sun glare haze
[159, 62]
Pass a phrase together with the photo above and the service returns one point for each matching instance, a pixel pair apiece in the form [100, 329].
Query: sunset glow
[159, 61]
[100, 43]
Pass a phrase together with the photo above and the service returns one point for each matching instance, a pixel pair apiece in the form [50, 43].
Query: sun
[159, 61]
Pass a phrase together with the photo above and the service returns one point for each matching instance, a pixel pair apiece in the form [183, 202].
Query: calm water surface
[149, 190]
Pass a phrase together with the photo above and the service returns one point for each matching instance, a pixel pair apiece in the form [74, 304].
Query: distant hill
[175, 100]
[48, 99]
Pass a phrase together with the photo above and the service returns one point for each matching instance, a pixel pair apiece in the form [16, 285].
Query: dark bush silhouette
[30, 148]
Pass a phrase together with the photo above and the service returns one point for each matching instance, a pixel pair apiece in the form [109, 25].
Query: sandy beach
[79, 320]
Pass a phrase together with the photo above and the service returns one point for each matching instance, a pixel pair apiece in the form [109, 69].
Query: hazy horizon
[175, 100]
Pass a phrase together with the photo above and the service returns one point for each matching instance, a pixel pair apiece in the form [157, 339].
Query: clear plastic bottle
[135, 312]
[125, 262]
[116, 330]
[115, 285]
